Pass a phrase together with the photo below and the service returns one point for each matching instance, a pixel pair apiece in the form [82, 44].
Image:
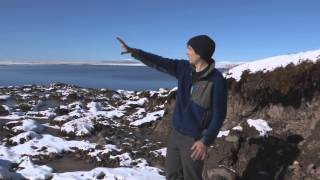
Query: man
[200, 109]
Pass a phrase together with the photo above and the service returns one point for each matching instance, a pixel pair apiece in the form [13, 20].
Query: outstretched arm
[172, 67]
[220, 95]
[166, 65]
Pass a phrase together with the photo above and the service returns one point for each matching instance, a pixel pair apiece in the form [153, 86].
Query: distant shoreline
[80, 64]
[9, 63]
[112, 63]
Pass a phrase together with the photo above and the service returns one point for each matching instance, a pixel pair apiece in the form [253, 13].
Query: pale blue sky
[86, 30]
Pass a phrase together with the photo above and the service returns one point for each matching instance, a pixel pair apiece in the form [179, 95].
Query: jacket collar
[208, 72]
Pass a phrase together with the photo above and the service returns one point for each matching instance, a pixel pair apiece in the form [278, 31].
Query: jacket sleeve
[172, 67]
[220, 96]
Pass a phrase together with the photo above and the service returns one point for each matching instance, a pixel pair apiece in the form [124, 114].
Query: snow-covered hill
[227, 64]
[268, 64]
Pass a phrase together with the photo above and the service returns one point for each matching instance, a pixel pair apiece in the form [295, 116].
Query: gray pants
[179, 165]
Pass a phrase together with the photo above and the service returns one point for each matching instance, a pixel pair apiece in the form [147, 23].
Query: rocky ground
[61, 131]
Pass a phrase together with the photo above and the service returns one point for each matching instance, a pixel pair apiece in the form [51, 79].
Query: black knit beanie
[204, 46]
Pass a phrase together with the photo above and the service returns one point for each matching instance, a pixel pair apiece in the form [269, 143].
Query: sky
[86, 30]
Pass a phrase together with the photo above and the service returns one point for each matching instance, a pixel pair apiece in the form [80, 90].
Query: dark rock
[25, 107]
[3, 111]
[100, 175]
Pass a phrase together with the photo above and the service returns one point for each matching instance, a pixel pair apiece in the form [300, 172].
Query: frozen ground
[66, 132]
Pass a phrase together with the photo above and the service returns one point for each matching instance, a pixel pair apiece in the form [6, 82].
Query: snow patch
[149, 118]
[31, 125]
[5, 97]
[261, 126]
[80, 127]
[269, 64]
[161, 152]
[223, 133]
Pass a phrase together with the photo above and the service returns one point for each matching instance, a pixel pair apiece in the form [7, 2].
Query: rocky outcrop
[288, 99]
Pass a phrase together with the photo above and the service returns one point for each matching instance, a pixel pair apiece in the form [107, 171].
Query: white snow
[6, 107]
[4, 97]
[139, 101]
[260, 125]
[223, 133]
[66, 92]
[31, 125]
[80, 126]
[125, 159]
[161, 92]
[34, 172]
[26, 136]
[139, 114]
[161, 152]
[227, 64]
[269, 64]
[53, 144]
[106, 149]
[121, 173]
[152, 116]
[237, 128]
[82, 122]
[63, 118]
[96, 109]
[46, 114]
[13, 116]
[125, 93]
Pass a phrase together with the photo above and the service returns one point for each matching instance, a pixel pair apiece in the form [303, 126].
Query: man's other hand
[199, 150]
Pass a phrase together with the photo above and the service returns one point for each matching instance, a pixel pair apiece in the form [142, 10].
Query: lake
[88, 76]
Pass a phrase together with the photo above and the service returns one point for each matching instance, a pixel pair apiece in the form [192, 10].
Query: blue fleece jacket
[185, 118]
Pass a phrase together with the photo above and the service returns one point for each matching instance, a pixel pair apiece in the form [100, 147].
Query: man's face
[193, 57]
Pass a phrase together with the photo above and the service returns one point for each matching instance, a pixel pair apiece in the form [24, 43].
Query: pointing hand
[125, 48]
